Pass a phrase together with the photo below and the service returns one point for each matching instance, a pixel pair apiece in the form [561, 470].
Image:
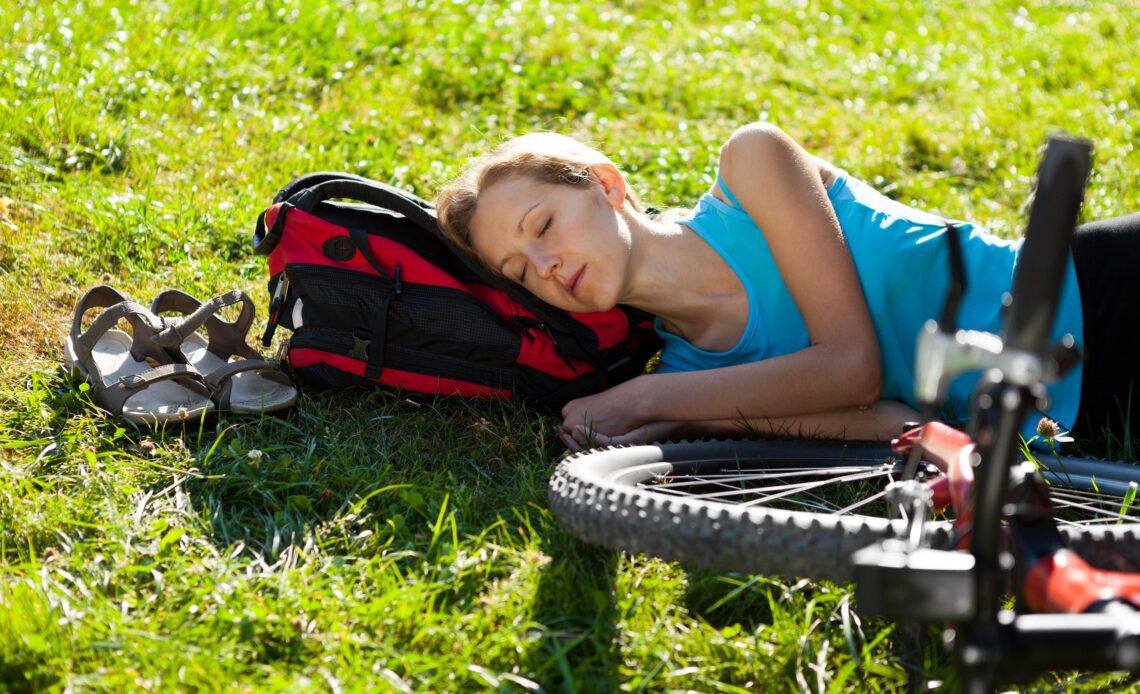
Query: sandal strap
[118, 307]
[220, 380]
[224, 373]
[225, 338]
[115, 396]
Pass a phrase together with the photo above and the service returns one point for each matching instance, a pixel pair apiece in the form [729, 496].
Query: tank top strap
[727, 193]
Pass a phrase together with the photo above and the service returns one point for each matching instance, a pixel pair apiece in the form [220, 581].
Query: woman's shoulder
[759, 151]
[754, 134]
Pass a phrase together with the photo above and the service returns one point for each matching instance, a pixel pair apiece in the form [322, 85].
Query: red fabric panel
[304, 236]
[276, 262]
[396, 378]
[610, 326]
[537, 349]
[499, 301]
[538, 352]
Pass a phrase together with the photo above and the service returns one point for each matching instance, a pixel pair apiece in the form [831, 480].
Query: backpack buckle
[359, 348]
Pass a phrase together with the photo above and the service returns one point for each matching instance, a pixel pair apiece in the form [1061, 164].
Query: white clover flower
[1051, 431]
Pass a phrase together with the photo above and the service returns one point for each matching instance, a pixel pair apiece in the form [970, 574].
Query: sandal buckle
[131, 381]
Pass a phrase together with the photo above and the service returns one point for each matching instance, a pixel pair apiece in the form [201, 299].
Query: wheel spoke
[806, 484]
[833, 476]
[802, 489]
[1108, 510]
[861, 503]
[738, 478]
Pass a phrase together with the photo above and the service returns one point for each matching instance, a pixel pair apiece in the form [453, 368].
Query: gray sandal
[131, 376]
[250, 385]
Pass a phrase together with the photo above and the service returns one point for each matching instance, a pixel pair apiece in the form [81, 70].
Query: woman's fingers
[610, 410]
[580, 437]
[603, 440]
[583, 436]
[568, 440]
[641, 434]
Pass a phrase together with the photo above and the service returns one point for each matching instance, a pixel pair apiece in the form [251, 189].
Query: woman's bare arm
[778, 184]
[882, 421]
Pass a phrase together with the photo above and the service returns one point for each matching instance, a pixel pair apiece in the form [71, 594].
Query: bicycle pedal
[925, 585]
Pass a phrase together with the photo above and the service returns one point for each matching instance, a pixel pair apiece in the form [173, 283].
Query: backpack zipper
[280, 296]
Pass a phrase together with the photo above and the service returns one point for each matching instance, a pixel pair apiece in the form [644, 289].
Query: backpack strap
[306, 192]
[311, 179]
[374, 193]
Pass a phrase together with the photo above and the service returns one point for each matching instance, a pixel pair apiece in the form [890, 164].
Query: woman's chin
[582, 303]
[592, 307]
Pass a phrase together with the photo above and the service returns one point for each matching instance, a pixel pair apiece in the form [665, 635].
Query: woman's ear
[612, 182]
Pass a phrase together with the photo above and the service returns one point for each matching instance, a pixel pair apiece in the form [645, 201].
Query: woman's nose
[546, 264]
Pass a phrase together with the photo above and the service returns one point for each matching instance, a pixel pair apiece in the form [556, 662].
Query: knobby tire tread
[756, 539]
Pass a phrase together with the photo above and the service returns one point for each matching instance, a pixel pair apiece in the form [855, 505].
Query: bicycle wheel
[793, 508]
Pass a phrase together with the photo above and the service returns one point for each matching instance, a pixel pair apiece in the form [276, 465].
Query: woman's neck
[676, 275]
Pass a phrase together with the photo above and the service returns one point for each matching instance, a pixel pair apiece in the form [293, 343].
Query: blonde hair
[543, 157]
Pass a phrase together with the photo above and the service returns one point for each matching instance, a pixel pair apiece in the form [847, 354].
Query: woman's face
[565, 244]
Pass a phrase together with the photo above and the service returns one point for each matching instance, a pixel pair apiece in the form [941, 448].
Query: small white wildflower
[255, 455]
[1051, 431]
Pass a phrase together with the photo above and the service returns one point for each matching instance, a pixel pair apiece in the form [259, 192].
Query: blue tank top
[903, 265]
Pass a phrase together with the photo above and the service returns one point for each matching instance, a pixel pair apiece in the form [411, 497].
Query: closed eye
[541, 231]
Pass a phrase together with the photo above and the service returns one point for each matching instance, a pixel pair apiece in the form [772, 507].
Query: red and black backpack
[374, 294]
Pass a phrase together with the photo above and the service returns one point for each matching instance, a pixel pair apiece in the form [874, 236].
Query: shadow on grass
[268, 483]
[751, 603]
[575, 604]
[365, 475]
[725, 600]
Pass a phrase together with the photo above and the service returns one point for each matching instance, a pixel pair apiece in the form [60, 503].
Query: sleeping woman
[789, 299]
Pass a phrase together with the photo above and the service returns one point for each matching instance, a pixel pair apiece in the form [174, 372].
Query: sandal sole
[251, 393]
[158, 403]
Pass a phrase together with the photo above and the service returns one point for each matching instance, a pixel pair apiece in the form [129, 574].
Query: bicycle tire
[595, 497]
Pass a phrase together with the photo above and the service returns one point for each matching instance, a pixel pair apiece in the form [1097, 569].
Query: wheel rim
[1086, 493]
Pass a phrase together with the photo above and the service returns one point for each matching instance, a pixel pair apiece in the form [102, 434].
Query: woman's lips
[575, 281]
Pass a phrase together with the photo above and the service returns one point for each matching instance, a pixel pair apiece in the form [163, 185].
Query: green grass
[374, 544]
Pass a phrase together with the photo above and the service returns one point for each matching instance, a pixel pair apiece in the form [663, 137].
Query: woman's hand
[612, 412]
[580, 438]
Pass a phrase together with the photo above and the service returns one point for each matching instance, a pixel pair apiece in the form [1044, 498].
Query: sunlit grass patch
[362, 541]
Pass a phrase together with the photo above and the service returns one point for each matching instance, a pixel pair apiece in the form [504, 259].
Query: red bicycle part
[951, 451]
[1063, 582]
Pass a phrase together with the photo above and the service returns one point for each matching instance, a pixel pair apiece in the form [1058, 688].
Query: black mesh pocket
[451, 323]
[433, 320]
[340, 290]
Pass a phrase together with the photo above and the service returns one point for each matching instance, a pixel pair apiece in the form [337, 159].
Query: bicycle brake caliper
[904, 580]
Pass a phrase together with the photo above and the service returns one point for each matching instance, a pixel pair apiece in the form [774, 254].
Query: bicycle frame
[1011, 541]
